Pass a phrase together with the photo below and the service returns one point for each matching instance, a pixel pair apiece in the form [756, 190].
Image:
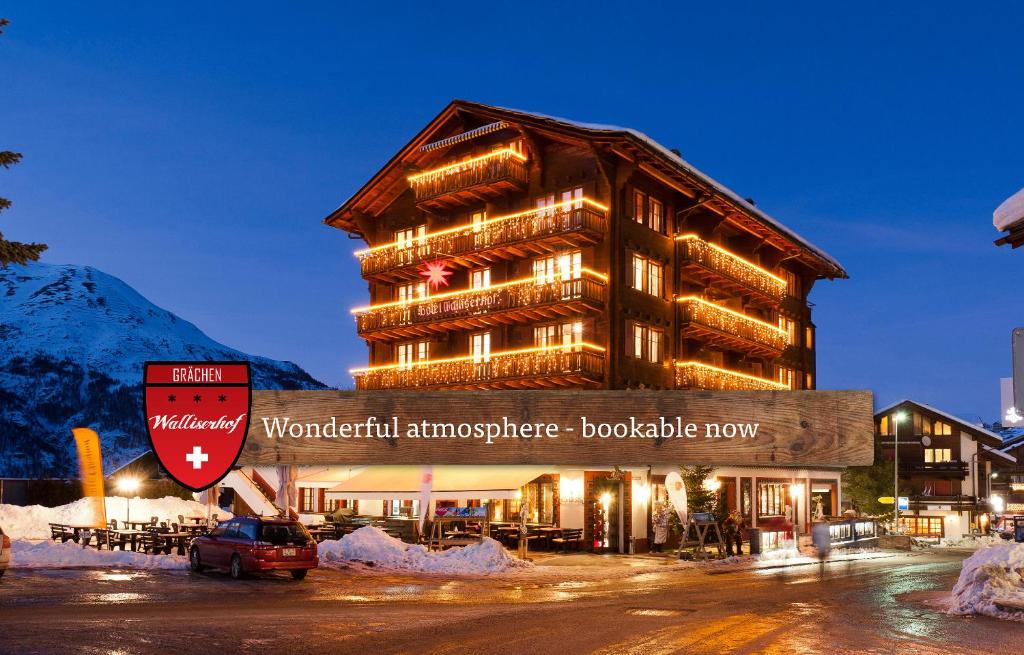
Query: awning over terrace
[450, 482]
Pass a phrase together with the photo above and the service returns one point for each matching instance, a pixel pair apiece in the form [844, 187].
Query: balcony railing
[943, 469]
[698, 375]
[584, 217]
[571, 366]
[721, 324]
[529, 293]
[501, 165]
[731, 267]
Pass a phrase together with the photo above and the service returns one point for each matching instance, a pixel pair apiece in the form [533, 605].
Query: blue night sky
[193, 151]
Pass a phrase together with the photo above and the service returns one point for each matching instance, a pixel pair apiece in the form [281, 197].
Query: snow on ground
[991, 574]
[32, 522]
[373, 545]
[50, 554]
[970, 542]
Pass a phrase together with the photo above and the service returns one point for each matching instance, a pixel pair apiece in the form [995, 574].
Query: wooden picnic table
[180, 539]
[140, 525]
[548, 533]
[196, 520]
[133, 536]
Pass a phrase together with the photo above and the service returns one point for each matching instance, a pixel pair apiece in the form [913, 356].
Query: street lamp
[897, 418]
[128, 486]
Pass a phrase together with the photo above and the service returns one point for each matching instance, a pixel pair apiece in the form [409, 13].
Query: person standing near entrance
[660, 527]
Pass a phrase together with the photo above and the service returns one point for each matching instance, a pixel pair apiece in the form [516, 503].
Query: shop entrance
[606, 522]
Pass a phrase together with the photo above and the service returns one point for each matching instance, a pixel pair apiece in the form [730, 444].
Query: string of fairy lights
[576, 358]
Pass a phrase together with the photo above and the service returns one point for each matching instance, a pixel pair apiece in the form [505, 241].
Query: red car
[250, 545]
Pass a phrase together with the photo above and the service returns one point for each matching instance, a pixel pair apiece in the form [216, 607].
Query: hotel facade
[511, 250]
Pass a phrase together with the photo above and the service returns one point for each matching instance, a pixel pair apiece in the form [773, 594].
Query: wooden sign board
[578, 427]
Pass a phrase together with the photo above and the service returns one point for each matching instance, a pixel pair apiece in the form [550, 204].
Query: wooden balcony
[472, 181]
[519, 301]
[717, 266]
[953, 470]
[729, 329]
[533, 368]
[697, 375]
[524, 234]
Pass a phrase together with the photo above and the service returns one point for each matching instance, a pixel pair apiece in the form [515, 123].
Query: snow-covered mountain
[72, 345]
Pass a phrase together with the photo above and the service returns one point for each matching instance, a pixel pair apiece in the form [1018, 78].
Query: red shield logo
[197, 416]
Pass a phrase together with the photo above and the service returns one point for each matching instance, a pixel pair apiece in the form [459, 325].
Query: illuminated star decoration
[437, 273]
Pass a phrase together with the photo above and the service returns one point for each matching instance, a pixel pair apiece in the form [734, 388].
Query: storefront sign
[787, 428]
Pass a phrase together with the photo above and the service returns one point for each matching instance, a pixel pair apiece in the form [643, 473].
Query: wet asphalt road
[872, 606]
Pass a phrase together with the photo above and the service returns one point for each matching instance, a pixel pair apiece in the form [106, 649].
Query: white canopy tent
[450, 482]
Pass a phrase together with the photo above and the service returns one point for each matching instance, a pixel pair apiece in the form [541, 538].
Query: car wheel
[236, 567]
[299, 574]
[194, 561]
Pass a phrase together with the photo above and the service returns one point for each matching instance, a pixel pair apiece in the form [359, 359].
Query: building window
[771, 499]
[410, 237]
[808, 337]
[922, 526]
[562, 266]
[410, 292]
[546, 203]
[792, 282]
[648, 276]
[788, 325]
[647, 343]
[480, 347]
[922, 425]
[575, 196]
[655, 215]
[937, 455]
[307, 500]
[567, 335]
[638, 206]
[410, 352]
[477, 220]
[480, 278]
[808, 381]
[786, 376]
[885, 426]
[942, 429]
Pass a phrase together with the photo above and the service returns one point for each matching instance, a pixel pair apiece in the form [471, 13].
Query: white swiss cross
[197, 457]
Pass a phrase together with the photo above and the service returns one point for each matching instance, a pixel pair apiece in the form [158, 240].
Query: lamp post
[897, 418]
[128, 486]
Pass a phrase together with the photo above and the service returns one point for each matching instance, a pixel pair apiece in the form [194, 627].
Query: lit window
[638, 206]
[648, 343]
[575, 196]
[654, 338]
[480, 346]
[788, 326]
[480, 278]
[477, 220]
[937, 455]
[409, 237]
[792, 282]
[786, 376]
[547, 202]
[655, 215]
[409, 352]
[565, 266]
[884, 426]
[648, 275]
[568, 335]
[411, 291]
[808, 337]
[942, 429]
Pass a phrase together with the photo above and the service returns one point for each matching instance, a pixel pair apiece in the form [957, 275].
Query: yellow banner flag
[90, 464]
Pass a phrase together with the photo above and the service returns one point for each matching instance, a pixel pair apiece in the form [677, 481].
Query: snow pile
[991, 575]
[374, 546]
[49, 554]
[970, 542]
[32, 522]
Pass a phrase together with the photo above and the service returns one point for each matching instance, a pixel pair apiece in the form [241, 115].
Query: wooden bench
[569, 537]
[60, 533]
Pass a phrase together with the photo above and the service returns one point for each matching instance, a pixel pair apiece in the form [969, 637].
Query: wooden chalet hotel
[511, 250]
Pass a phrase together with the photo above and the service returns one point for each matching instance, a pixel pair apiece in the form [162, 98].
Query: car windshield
[280, 534]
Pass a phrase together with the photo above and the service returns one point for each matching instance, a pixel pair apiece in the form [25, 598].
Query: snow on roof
[691, 170]
[1010, 212]
[955, 419]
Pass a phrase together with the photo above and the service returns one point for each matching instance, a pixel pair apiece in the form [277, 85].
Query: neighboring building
[574, 255]
[1009, 218]
[1010, 486]
[948, 467]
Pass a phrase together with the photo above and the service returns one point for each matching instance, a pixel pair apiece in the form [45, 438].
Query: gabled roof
[994, 441]
[621, 140]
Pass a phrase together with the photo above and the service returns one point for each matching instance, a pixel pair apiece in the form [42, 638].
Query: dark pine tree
[14, 251]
